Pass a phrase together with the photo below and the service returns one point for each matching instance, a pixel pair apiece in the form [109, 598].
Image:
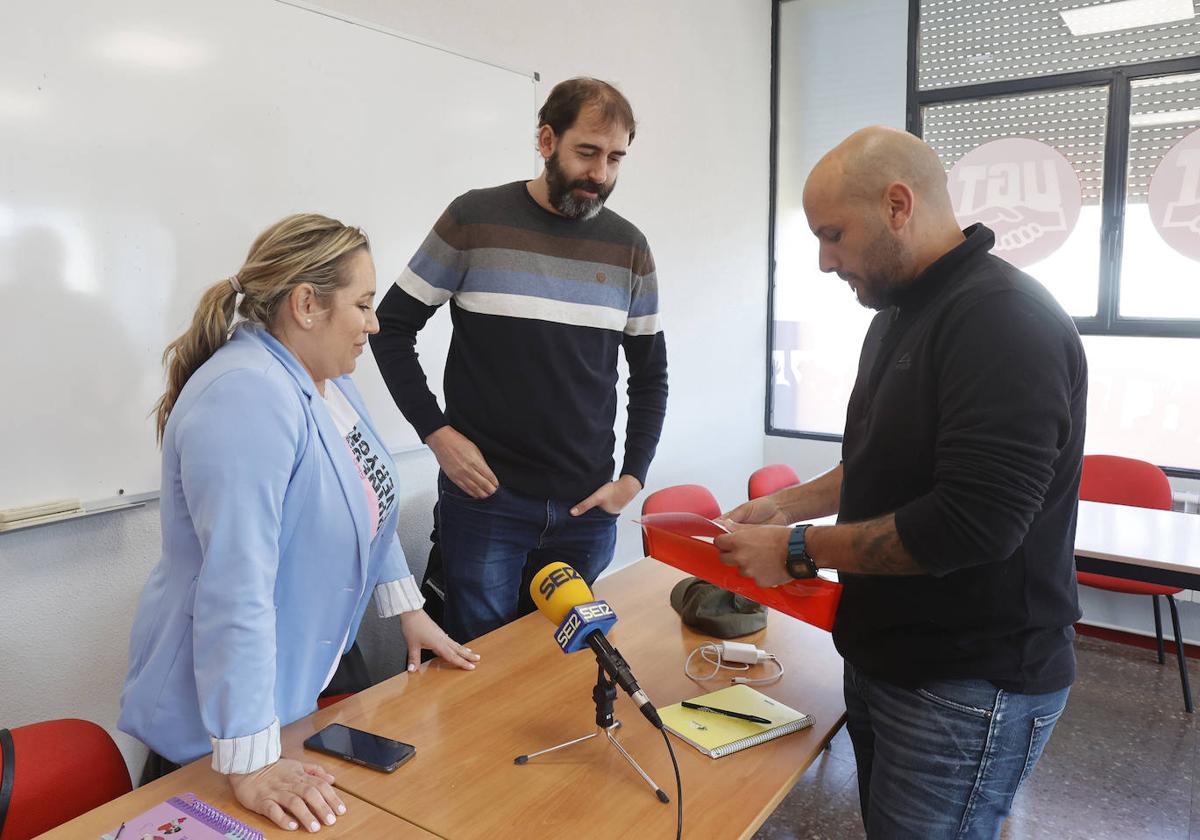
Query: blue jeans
[491, 547]
[944, 760]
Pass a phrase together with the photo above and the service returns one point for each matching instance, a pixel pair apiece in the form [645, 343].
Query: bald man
[956, 499]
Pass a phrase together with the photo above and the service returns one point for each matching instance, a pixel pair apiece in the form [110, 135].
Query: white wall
[697, 72]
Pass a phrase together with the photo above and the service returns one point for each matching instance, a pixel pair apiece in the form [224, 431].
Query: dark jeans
[492, 547]
[944, 760]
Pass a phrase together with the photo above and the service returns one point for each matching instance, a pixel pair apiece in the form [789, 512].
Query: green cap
[715, 611]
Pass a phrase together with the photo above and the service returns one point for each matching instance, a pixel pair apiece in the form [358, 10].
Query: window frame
[1108, 320]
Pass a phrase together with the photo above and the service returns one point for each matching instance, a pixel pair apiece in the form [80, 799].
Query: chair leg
[1158, 629]
[1183, 674]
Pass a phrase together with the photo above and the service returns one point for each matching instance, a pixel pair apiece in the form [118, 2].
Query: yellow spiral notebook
[716, 735]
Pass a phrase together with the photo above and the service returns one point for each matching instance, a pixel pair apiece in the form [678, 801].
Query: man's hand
[758, 552]
[290, 794]
[764, 511]
[612, 497]
[462, 462]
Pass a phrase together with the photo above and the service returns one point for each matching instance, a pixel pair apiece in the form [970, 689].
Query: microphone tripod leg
[604, 693]
[523, 759]
[659, 792]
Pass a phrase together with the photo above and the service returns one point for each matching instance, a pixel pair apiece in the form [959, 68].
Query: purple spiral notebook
[185, 818]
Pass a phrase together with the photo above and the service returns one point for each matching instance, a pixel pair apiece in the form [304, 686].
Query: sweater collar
[926, 285]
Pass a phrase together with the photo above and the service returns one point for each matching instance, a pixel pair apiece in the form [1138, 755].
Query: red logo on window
[1175, 197]
[1024, 190]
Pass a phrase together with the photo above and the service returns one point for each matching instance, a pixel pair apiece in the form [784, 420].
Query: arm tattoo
[877, 549]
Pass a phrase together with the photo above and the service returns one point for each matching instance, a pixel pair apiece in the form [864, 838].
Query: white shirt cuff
[398, 596]
[247, 753]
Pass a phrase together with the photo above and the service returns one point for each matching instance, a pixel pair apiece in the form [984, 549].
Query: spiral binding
[214, 818]
[763, 737]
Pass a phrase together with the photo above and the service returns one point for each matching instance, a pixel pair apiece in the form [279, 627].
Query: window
[1144, 399]
[1100, 82]
[816, 324]
[1113, 87]
[1071, 121]
[1157, 281]
[972, 42]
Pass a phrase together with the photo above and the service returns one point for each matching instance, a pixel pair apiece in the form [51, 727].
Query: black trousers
[155, 768]
[351, 675]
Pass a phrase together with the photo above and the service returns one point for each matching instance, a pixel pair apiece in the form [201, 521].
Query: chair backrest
[1124, 481]
[766, 480]
[61, 769]
[681, 498]
[330, 699]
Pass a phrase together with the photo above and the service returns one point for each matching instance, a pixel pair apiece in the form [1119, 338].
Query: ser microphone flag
[564, 597]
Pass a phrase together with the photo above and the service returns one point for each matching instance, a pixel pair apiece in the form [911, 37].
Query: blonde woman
[279, 522]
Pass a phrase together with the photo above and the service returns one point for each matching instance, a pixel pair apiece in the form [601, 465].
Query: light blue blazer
[267, 563]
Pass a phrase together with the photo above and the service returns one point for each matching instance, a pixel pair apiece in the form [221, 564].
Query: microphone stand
[603, 693]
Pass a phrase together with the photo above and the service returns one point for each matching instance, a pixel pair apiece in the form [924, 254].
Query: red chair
[59, 769]
[329, 700]
[766, 480]
[681, 498]
[1128, 481]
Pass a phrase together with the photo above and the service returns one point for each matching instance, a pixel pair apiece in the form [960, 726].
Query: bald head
[866, 163]
[879, 205]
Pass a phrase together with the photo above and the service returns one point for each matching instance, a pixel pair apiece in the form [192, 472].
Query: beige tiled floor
[1122, 763]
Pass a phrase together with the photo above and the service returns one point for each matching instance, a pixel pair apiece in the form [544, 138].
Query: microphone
[564, 597]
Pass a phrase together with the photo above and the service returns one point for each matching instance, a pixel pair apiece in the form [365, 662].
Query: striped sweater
[540, 305]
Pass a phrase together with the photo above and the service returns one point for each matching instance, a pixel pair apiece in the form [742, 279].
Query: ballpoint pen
[726, 712]
[119, 830]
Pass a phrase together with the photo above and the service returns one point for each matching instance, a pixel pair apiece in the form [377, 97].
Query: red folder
[684, 540]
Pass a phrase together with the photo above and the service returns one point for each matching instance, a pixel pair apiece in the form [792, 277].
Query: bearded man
[545, 284]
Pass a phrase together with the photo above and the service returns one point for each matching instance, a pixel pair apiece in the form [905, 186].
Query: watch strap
[800, 564]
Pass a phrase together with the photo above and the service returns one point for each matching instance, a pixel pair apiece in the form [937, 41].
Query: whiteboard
[145, 143]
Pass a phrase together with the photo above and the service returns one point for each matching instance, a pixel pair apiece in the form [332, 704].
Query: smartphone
[364, 748]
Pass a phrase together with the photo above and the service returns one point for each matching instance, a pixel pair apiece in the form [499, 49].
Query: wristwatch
[800, 564]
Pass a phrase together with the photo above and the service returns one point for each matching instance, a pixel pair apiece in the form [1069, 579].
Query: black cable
[678, 788]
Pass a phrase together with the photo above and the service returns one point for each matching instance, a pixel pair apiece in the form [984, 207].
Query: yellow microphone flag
[557, 588]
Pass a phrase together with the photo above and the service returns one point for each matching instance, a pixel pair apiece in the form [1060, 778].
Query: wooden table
[1157, 546]
[527, 695]
[361, 821]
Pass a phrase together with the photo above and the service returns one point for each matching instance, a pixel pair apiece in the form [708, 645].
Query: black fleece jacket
[967, 421]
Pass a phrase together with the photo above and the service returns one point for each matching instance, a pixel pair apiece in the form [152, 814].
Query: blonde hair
[305, 248]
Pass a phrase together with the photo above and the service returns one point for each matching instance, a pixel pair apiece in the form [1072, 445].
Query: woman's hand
[421, 633]
[290, 794]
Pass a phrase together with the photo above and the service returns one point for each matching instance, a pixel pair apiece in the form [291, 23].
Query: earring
[308, 320]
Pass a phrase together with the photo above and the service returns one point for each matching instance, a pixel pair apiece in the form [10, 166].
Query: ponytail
[209, 330]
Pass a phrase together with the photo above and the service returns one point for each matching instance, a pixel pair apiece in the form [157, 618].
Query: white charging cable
[742, 655]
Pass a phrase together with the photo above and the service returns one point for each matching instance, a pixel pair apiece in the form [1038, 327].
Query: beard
[883, 275]
[563, 198]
